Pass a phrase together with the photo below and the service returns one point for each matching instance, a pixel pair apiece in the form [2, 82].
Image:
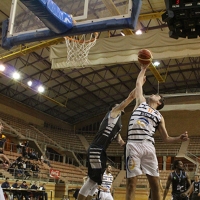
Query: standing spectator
[47, 154]
[106, 186]
[25, 149]
[6, 185]
[19, 147]
[140, 150]
[180, 181]
[44, 159]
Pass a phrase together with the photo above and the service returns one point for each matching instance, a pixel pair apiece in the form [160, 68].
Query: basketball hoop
[78, 48]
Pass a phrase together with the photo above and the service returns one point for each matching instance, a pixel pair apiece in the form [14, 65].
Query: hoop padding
[78, 49]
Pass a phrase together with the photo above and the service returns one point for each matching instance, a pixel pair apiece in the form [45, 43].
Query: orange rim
[82, 41]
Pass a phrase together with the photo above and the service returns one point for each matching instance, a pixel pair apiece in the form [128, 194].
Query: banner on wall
[54, 173]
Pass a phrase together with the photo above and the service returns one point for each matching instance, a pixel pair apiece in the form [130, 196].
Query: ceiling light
[40, 89]
[29, 83]
[16, 76]
[2, 68]
[138, 32]
[122, 33]
[156, 63]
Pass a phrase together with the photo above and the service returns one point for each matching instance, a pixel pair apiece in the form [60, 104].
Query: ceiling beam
[23, 50]
[154, 15]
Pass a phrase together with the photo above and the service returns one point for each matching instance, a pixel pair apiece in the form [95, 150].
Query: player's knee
[131, 182]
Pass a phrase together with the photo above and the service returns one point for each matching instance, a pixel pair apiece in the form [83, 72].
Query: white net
[78, 48]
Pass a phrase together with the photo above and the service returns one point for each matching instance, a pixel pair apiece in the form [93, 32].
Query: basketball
[144, 56]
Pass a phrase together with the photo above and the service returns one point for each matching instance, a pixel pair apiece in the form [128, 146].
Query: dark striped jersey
[196, 188]
[143, 123]
[108, 130]
[179, 182]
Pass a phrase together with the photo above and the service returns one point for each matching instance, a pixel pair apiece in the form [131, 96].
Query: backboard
[89, 16]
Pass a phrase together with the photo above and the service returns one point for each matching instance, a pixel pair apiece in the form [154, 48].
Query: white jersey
[143, 123]
[1, 194]
[107, 181]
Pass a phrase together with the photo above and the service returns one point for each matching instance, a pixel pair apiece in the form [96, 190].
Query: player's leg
[131, 188]
[154, 185]
[89, 197]
[92, 192]
[109, 197]
[105, 196]
[149, 165]
[133, 154]
[86, 189]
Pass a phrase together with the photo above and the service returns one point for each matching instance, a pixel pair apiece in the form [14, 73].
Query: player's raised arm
[168, 139]
[116, 110]
[139, 84]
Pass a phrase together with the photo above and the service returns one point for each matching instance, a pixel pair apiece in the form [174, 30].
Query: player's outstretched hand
[184, 136]
[145, 66]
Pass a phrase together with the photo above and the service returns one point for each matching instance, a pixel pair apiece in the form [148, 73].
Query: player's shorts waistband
[140, 141]
[104, 191]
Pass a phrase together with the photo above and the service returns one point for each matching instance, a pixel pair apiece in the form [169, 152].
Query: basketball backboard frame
[83, 25]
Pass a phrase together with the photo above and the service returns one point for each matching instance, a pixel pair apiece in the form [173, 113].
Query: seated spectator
[32, 155]
[28, 164]
[35, 169]
[16, 184]
[6, 184]
[13, 169]
[24, 171]
[24, 194]
[16, 194]
[19, 159]
[45, 195]
[34, 187]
